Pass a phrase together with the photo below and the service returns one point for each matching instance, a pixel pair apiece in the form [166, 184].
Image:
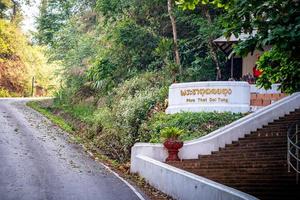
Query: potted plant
[171, 141]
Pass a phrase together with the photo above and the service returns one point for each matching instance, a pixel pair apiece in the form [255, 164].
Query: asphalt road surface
[37, 161]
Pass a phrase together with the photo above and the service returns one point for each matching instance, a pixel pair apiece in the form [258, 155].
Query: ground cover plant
[114, 134]
[194, 125]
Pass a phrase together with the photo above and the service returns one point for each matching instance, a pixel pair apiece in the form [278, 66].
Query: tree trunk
[213, 54]
[174, 29]
[212, 48]
[15, 8]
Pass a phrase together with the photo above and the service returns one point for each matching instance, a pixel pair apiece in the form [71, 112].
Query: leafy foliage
[275, 23]
[130, 105]
[278, 67]
[53, 15]
[194, 125]
[4, 93]
[118, 62]
[170, 133]
[191, 4]
[20, 61]
[268, 23]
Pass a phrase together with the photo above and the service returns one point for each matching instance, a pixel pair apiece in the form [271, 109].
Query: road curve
[38, 163]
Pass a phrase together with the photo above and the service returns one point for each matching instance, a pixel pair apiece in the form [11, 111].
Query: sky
[30, 12]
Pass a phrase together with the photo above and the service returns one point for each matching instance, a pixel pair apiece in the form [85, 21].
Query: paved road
[38, 163]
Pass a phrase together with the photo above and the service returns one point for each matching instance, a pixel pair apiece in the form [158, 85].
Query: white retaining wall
[184, 185]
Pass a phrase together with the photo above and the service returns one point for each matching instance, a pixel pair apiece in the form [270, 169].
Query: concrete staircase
[255, 164]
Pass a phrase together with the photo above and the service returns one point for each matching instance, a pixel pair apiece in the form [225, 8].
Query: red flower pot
[173, 146]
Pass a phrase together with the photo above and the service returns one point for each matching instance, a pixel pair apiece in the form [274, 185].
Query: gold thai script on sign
[206, 91]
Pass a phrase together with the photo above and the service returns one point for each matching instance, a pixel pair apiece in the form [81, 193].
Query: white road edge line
[117, 175]
[106, 167]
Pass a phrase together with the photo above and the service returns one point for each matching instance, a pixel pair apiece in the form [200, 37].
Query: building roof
[232, 38]
[226, 44]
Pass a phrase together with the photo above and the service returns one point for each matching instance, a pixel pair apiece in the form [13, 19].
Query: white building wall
[249, 62]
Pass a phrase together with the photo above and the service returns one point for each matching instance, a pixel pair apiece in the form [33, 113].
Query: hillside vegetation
[20, 60]
[120, 56]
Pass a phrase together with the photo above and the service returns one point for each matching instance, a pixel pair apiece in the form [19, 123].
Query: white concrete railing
[213, 141]
[183, 185]
[274, 89]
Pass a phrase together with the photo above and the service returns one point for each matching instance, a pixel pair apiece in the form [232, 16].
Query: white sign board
[209, 96]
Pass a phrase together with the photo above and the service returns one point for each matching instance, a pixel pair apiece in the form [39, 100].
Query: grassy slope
[78, 120]
[53, 118]
[121, 169]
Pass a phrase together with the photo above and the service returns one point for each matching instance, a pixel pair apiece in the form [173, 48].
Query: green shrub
[127, 107]
[194, 125]
[81, 111]
[121, 123]
[143, 82]
[170, 133]
[4, 93]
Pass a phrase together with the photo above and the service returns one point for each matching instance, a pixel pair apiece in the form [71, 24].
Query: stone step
[276, 189]
[237, 172]
[258, 167]
[294, 113]
[205, 158]
[251, 155]
[253, 183]
[273, 125]
[242, 156]
[231, 180]
[264, 138]
[258, 177]
[259, 182]
[252, 150]
[289, 119]
[279, 126]
[232, 164]
[267, 133]
[215, 165]
[285, 122]
[257, 144]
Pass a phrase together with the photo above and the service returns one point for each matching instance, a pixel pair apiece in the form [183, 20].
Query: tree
[191, 4]
[15, 7]
[269, 23]
[174, 30]
[53, 16]
[19, 60]
[206, 11]
[4, 5]
[211, 46]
